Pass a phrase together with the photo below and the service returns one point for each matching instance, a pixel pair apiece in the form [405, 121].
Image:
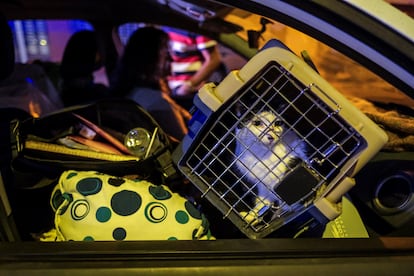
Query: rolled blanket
[398, 126]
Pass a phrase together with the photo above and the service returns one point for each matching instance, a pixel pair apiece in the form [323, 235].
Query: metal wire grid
[330, 142]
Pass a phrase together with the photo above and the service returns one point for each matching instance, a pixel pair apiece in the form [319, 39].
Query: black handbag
[42, 148]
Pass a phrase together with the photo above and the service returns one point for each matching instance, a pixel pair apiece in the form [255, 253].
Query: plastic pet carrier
[273, 142]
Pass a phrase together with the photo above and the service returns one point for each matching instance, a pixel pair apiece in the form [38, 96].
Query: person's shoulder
[146, 96]
[142, 90]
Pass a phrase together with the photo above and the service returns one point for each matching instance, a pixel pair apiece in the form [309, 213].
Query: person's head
[145, 61]
[81, 56]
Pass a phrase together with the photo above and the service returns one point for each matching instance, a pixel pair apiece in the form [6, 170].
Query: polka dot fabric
[92, 206]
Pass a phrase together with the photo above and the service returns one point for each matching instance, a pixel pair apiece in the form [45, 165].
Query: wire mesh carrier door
[274, 141]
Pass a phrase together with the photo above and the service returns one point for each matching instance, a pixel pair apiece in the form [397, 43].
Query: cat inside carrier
[273, 142]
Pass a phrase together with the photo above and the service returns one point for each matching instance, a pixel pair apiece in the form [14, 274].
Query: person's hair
[80, 55]
[145, 61]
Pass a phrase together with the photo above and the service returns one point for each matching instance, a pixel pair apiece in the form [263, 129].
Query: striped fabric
[186, 55]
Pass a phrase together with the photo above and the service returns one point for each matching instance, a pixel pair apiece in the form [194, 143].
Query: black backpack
[38, 156]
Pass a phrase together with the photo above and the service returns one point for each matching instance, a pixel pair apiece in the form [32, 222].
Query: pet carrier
[274, 143]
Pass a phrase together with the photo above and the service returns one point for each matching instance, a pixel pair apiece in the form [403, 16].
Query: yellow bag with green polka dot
[92, 206]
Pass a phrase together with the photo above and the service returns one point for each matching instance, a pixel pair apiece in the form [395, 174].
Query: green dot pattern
[181, 217]
[119, 234]
[89, 186]
[103, 214]
[92, 206]
[156, 212]
[125, 202]
[158, 192]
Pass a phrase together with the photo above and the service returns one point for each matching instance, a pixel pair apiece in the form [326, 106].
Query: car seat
[8, 230]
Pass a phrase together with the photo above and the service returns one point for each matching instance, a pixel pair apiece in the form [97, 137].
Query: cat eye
[278, 123]
[257, 122]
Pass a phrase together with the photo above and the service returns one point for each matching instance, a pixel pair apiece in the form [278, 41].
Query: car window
[125, 30]
[346, 75]
[43, 39]
[376, 214]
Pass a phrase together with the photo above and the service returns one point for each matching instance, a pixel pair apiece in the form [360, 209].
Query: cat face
[265, 126]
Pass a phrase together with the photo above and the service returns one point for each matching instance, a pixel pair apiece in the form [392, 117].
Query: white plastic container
[339, 139]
